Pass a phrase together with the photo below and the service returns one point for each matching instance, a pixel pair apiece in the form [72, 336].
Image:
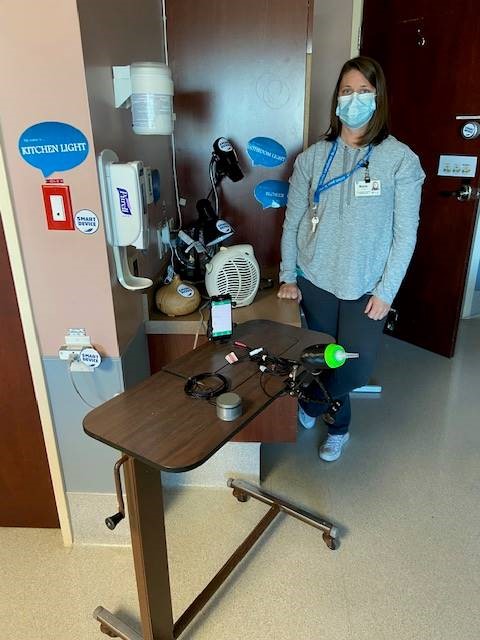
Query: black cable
[279, 393]
[275, 365]
[213, 179]
[209, 175]
[193, 384]
[281, 367]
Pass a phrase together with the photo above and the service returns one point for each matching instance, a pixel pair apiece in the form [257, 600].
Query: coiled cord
[195, 387]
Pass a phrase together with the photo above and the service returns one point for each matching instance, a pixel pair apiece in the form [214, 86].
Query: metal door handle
[467, 192]
[464, 193]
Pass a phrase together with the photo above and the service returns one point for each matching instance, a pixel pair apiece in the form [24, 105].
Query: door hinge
[359, 38]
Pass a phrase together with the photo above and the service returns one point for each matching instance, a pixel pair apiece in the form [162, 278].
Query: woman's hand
[376, 309]
[289, 292]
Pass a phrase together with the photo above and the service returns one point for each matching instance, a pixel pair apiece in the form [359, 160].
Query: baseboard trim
[89, 510]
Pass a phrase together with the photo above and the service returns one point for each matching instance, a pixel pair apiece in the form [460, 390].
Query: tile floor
[405, 495]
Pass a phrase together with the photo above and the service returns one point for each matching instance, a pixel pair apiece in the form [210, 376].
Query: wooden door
[26, 492]
[430, 52]
[239, 71]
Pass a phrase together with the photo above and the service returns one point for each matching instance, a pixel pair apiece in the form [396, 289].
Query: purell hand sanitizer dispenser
[123, 188]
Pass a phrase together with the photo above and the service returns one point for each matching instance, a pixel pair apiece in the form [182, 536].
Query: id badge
[372, 188]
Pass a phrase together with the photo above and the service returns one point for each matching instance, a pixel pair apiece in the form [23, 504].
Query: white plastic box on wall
[147, 88]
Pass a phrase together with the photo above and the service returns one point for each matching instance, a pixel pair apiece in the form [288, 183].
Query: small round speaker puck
[229, 406]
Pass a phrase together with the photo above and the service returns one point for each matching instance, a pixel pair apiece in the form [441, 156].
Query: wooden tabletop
[159, 424]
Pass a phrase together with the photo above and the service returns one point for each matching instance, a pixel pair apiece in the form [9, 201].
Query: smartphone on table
[220, 324]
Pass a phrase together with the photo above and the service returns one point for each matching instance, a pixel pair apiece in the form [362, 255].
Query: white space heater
[234, 271]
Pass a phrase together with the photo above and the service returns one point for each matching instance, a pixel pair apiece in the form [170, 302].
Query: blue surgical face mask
[356, 109]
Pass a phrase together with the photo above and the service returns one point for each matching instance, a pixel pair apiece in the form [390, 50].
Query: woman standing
[349, 234]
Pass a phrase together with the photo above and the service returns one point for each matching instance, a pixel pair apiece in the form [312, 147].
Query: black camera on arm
[225, 160]
[306, 375]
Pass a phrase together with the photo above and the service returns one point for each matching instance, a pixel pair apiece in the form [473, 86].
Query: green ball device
[319, 357]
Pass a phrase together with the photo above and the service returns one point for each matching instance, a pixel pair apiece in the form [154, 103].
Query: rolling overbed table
[159, 428]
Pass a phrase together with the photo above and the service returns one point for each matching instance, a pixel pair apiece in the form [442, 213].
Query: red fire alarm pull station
[58, 207]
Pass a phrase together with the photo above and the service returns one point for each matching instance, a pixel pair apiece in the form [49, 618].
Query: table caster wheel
[107, 631]
[241, 496]
[332, 543]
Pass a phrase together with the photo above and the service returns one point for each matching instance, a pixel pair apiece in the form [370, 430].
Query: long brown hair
[377, 128]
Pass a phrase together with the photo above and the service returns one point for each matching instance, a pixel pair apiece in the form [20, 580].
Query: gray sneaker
[331, 449]
[307, 422]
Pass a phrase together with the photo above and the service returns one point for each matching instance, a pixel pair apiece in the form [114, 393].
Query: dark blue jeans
[347, 322]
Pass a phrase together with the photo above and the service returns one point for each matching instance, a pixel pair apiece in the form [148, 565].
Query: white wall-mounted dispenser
[148, 88]
[124, 199]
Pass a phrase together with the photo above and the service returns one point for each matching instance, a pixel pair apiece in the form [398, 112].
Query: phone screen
[221, 317]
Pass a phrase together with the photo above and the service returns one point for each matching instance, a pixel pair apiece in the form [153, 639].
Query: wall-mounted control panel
[457, 166]
[58, 207]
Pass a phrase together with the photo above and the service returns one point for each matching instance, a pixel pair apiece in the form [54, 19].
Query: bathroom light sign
[53, 146]
[266, 152]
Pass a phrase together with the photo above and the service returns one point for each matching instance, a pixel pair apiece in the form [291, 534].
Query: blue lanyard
[323, 186]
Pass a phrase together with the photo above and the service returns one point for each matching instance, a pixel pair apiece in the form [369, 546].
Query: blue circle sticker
[223, 226]
[86, 221]
[185, 291]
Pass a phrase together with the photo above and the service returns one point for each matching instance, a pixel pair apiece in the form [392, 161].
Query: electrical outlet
[72, 354]
[75, 340]
[68, 353]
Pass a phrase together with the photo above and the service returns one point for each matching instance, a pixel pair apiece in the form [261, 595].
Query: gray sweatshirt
[361, 244]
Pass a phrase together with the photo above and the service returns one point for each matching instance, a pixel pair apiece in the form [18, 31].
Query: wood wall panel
[239, 72]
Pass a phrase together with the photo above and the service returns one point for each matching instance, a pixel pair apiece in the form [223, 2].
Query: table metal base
[150, 553]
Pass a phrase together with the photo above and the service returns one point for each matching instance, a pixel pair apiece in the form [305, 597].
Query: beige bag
[177, 298]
